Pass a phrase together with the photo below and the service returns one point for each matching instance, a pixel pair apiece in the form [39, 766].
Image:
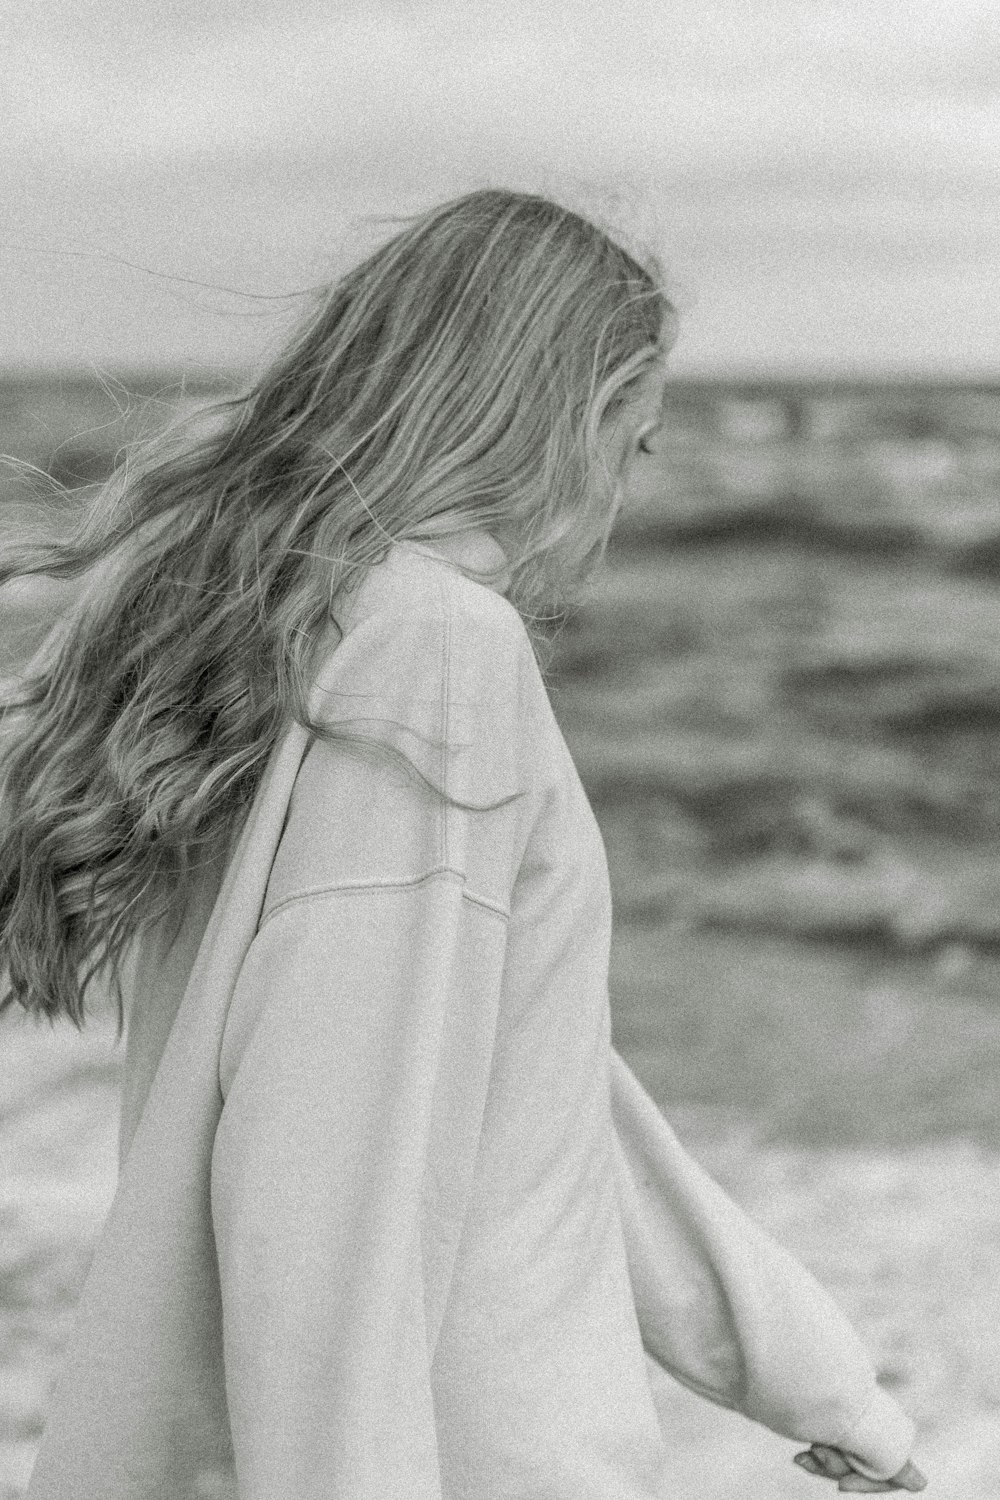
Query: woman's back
[393, 1086]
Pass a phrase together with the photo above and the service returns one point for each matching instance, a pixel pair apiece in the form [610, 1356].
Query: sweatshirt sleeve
[732, 1315]
[354, 1067]
[358, 1050]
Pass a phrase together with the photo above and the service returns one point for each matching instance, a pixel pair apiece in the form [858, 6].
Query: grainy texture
[908, 1240]
[783, 698]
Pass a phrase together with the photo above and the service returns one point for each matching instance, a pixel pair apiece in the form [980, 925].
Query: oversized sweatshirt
[394, 1220]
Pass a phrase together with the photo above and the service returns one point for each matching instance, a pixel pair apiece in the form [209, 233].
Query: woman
[393, 1219]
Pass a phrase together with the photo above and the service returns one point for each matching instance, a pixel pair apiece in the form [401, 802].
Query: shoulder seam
[353, 887]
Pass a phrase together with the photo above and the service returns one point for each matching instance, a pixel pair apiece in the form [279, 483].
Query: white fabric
[394, 1220]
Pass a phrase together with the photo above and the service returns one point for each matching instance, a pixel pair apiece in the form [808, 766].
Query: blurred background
[783, 694]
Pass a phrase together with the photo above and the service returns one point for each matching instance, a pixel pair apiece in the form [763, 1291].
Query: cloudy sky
[821, 177]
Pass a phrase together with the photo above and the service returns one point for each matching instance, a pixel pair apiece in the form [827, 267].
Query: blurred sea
[783, 696]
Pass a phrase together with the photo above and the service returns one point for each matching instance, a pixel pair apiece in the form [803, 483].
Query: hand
[831, 1463]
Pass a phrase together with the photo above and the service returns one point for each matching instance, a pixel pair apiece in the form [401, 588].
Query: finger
[833, 1462]
[910, 1478]
[809, 1463]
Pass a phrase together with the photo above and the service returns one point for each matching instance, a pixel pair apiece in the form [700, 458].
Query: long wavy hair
[458, 378]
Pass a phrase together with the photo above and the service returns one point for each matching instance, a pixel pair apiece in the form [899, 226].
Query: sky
[820, 178]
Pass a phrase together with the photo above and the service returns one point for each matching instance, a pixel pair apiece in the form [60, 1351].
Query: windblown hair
[456, 379]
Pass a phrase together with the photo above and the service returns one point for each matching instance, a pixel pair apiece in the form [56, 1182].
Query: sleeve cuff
[880, 1440]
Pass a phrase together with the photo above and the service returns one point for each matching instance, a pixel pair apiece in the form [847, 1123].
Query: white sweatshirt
[394, 1221]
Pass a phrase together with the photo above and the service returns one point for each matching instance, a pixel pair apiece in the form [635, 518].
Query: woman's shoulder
[421, 616]
[429, 658]
[429, 590]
